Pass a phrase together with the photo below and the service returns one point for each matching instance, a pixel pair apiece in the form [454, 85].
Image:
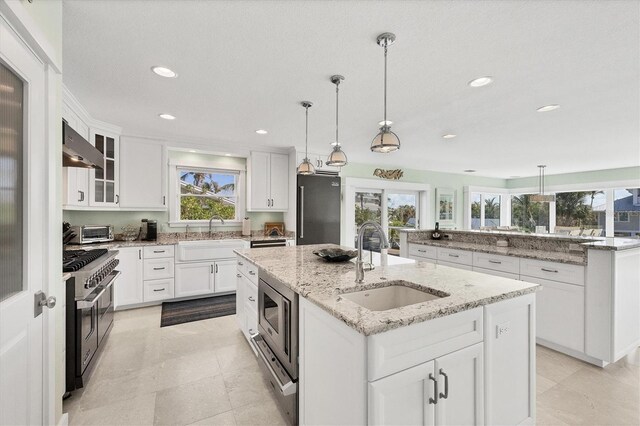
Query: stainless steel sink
[395, 294]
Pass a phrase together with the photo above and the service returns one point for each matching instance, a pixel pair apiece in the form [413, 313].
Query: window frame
[205, 167]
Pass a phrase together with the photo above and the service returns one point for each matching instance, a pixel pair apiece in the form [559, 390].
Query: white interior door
[22, 198]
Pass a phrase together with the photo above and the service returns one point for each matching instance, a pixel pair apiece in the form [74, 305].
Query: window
[577, 213]
[626, 212]
[529, 216]
[204, 193]
[368, 209]
[485, 210]
[401, 213]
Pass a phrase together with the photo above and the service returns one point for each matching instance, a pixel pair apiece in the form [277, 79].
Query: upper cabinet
[268, 182]
[143, 181]
[104, 184]
[318, 161]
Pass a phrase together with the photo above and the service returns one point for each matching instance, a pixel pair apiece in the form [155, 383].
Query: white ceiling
[245, 65]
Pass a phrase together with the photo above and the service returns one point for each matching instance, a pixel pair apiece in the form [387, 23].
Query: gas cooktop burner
[74, 260]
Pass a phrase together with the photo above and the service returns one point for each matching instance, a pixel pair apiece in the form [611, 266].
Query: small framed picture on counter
[274, 229]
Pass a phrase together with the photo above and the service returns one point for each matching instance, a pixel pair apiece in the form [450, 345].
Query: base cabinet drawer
[455, 265]
[421, 250]
[158, 290]
[156, 252]
[251, 296]
[155, 269]
[562, 272]
[455, 256]
[496, 262]
[422, 259]
[251, 321]
[560, 313]
[497, 273]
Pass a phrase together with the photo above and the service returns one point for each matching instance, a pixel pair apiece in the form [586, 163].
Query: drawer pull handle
[158, 251]
[251, 299]
[422, 251]
[497, 262]
[251, 331]
[158, 269]
[251, 273]
[555, 271]
[159, 289]
[238, 275]
[435, 390]
[240, 263]
[453, 255]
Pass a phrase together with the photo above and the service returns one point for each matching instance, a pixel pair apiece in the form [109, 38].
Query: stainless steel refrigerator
[318, 209]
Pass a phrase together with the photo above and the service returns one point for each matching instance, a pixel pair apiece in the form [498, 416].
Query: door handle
[301, 212]
[435, 390]
[445, 395]
[40, 300]
[216, 268]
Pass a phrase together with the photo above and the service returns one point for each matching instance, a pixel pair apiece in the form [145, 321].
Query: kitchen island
[465, 356]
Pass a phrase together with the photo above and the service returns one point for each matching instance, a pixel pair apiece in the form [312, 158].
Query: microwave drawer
[158, 252]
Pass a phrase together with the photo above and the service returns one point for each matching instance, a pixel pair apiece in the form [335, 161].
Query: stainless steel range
[277, 341]
[89, 311]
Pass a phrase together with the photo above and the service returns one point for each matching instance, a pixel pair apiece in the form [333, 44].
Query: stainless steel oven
[277, 341]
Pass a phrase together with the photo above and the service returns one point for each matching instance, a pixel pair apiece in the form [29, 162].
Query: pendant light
[337, 158]
[306, 168]
[386, 140]
[540, 197]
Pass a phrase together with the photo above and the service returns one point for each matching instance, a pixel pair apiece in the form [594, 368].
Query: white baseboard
[572, 352]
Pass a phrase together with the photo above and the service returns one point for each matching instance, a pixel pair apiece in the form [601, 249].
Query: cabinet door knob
[238, 275]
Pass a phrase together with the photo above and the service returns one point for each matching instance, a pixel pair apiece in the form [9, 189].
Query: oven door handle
[89, 302]
[286, 389]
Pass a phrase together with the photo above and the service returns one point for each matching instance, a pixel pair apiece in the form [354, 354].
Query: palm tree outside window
[208, 192]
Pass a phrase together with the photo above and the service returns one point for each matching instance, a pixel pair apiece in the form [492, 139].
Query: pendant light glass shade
[306, 168]
[337, 158]
[386, 140]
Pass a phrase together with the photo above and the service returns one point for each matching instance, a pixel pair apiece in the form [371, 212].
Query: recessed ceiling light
[385, 123]
[547, 108]
[192, 150]
[261, 132]
[469, 171]
[167, 116]
[481, 81]
[227, 155]
[164, 72]
[449, 136]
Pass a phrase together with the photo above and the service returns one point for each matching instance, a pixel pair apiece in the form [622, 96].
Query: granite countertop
[165, 239]
[323, 283]
[553, 256]
[615, 243]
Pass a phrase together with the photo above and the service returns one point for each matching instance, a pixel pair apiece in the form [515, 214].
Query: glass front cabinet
[104, 183]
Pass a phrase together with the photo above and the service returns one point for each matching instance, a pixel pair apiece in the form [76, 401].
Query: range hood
[77, 151]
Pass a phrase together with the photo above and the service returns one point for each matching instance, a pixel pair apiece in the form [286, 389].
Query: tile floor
[204, 373]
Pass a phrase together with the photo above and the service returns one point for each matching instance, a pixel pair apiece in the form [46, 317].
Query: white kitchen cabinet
[129, 288]
[194, 279]
[461, 257]
[319, 161]
[104, 183]
[268, 182]
[143, 181]
[455, 265]
[447, 391]
[240, 291]
[497, 273]
[158, 290]
[560, 313]
[460, 378]
[225, 276]
[404, 398]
